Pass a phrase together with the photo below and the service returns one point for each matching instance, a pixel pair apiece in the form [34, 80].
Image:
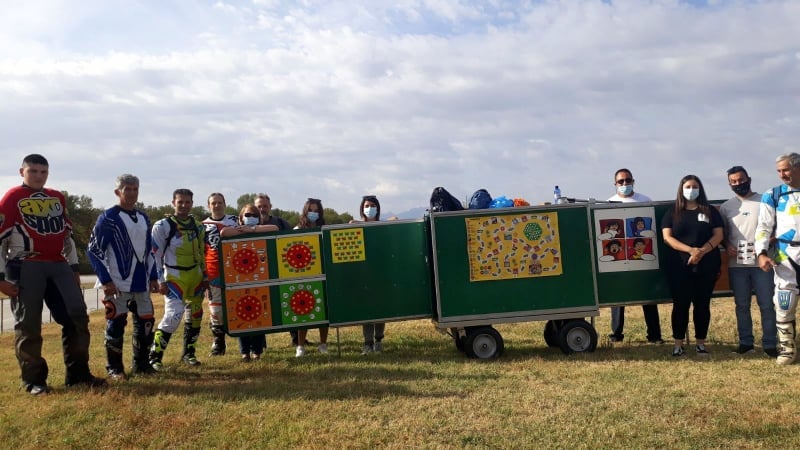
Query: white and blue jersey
[120, 250]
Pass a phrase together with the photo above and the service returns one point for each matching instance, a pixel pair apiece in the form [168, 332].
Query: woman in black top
[693, 230]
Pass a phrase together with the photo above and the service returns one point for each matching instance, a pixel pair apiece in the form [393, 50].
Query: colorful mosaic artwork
[248, 309]
[513, 246]
[299, 256]
[302, 302]
[245, 261]
[348, 245]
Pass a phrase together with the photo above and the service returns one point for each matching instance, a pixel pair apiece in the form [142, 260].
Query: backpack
[441, 200]
[480, 199]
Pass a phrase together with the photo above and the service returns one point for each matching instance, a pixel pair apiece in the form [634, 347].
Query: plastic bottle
[556, 196]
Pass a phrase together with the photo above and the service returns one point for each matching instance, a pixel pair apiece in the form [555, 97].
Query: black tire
[459, 340]
[551, 329]
[577, 336]
[483, 343]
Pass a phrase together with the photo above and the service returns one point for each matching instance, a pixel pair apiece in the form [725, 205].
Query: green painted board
[636, 286]
[273, 282]
[498, 241]
[377, 271]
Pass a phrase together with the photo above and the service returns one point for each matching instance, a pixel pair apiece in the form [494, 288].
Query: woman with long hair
[692, 229]
[313, 216]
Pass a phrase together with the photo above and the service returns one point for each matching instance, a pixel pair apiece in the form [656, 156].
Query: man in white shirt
[741, 218]
[623, 182]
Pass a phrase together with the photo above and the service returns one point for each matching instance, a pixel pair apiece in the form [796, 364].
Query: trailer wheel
[577, 336]
[459, 340]
[551, 329]
[483, 343]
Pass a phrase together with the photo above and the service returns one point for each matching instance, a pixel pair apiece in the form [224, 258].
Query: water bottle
[556, 196]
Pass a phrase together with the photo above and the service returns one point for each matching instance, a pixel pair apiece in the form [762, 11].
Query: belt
[182, 267]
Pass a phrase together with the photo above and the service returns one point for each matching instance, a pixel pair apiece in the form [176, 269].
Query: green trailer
[514, 265]
[465, 270]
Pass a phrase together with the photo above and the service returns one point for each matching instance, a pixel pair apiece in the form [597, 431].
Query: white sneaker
[367, 349]
[300, 352]
[322, 348]
[378, 347]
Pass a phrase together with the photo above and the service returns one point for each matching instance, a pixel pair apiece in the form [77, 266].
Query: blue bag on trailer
[480, 199]
[501, 202]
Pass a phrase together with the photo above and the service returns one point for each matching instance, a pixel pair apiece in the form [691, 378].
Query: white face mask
[625, 190]
[250, 221]
[312, 216]
[370, 212]
[691, 194]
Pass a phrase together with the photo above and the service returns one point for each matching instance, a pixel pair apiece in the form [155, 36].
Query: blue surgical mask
[312, 216]
[625, 190]
[250, 221]
[370, 212]
[691, 194]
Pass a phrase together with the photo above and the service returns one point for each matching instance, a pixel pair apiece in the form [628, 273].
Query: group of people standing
[693, 229]
[178, 257]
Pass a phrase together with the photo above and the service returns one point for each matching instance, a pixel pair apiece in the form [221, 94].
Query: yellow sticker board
[248, 308]
[245, 261]
[513, 246]
[299, 256]
[348, 245]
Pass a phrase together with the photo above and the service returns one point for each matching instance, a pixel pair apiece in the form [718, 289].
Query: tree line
[84, 215]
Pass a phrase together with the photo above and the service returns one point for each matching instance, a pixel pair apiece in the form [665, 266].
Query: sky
[335, 99]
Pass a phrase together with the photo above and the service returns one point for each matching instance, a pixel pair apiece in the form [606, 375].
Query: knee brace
[115, 327]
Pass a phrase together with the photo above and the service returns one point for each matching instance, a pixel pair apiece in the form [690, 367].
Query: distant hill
[413, 213]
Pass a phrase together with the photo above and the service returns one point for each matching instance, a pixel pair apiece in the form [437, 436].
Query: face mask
[312, 216]
[741, 189]
[625, 190]
[691, 193]
[370, 212]
[250, 221]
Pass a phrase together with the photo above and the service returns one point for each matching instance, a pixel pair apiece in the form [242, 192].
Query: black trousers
[692, 286]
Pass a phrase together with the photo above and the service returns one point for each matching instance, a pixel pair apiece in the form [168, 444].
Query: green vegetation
[421, 393]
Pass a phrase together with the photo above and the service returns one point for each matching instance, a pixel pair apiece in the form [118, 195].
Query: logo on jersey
[42, 213]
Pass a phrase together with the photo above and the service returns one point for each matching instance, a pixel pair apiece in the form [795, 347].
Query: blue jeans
[743, 281]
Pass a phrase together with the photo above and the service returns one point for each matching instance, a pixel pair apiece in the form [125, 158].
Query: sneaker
[144, 370]
[656, 341]
[246, 358]
[367, 349]
[256, 356]
[744, 349]
[116, 375]
[701, 350]
[615, 338]
[38, 389]
[217, 351]
[300, 352]
[323, 348]
[378, 347]
[772, 352]
[678, 351]
[190, 360]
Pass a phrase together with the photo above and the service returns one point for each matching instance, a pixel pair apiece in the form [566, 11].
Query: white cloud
[335, 100]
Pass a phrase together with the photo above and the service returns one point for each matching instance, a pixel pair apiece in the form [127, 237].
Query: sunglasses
[252, 215]
[622, 181]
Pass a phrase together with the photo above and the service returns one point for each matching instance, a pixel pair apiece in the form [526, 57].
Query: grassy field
[421, 393]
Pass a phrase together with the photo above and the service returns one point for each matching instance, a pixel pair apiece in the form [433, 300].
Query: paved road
[92, 297]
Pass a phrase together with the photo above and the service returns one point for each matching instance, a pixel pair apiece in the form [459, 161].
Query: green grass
[421, 393]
